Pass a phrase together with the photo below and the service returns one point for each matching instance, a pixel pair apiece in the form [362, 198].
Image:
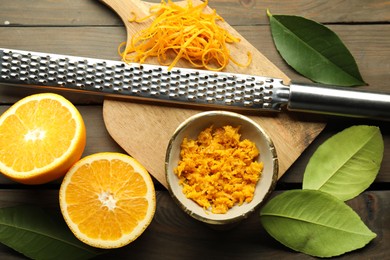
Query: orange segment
[41, 137]
[107, 199]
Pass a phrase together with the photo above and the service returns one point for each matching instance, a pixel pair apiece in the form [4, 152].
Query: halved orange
[107, 199]
[41, 137]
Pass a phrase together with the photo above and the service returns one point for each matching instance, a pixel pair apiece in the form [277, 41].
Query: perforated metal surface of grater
[141, 81]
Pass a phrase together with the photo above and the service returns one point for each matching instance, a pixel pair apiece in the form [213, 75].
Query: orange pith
[41, 137]
[107, 199]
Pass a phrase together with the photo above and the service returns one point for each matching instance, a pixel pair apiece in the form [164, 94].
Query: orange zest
[41, 137]
[218, 170]
[187, 32]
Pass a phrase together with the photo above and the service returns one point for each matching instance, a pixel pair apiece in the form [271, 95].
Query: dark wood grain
[174, 235]
[236, 12]
[89, 28]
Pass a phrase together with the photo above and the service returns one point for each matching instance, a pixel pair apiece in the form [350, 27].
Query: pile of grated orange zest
[187, 32]
[218, 170]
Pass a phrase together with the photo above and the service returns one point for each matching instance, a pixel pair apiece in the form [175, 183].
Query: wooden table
[88, 28]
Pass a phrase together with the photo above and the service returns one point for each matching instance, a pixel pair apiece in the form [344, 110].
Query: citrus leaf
[315, 223]
[40, 235]
[347, 163]
[314, 51]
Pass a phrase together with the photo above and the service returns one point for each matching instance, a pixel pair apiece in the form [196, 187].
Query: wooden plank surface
[174, 235]
[88, 12]
[86, 28]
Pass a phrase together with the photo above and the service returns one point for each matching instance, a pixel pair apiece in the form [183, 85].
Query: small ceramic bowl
[249, 129]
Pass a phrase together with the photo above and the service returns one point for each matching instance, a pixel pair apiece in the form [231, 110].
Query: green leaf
[314, 51]
[41, 235]
[315, 223]
[347, 163]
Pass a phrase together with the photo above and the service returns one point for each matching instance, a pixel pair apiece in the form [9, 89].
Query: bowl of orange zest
[220, 167]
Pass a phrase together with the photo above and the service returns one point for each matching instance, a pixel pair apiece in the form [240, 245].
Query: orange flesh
[100, 196]
[25, 153]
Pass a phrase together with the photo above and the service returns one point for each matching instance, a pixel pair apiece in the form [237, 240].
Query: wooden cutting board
[144, 130]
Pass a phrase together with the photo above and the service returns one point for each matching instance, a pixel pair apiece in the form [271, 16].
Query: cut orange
[41, 137]
[107, 199]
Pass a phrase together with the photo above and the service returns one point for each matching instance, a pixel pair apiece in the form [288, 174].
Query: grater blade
[141, 81]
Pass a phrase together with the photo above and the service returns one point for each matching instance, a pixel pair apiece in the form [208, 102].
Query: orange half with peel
[107, 199]
[41, 137]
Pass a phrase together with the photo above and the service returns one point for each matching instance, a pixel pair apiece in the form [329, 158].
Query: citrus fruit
[41, 137]
[107, 199]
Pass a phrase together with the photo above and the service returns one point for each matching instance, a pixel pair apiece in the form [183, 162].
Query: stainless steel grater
[190, 86]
